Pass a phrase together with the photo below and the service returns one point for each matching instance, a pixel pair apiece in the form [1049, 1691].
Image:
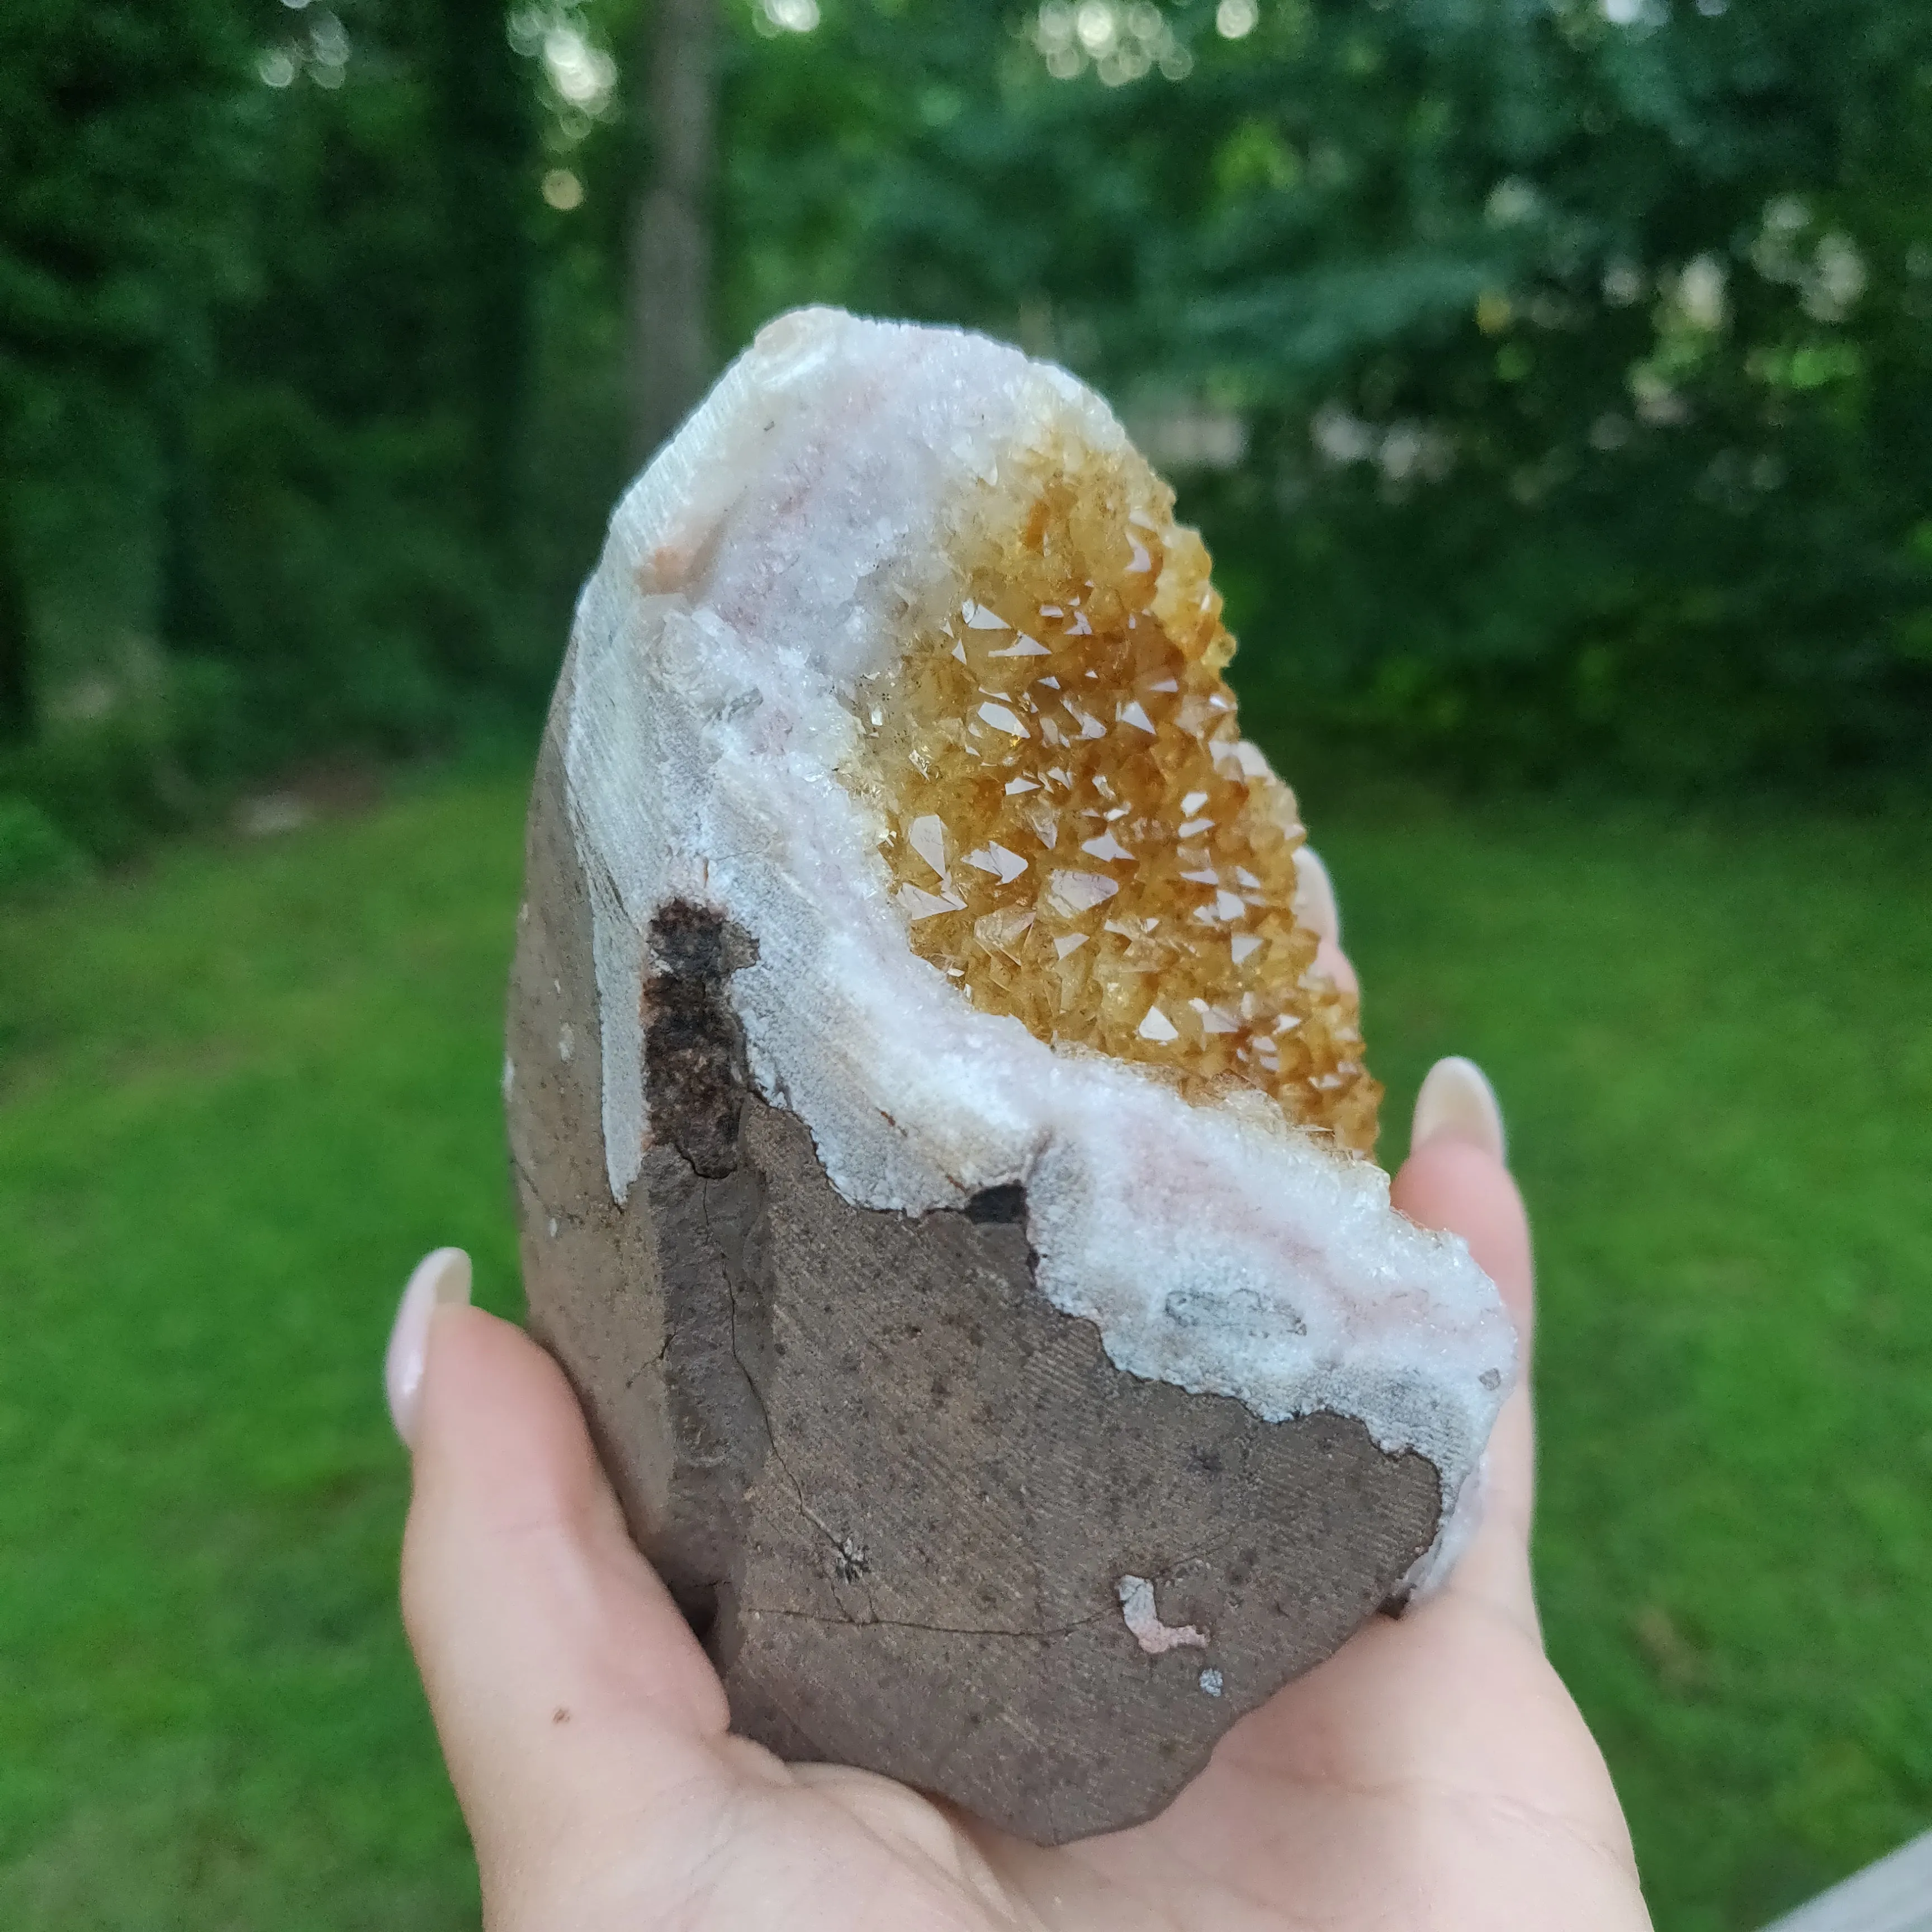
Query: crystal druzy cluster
[1077, 832]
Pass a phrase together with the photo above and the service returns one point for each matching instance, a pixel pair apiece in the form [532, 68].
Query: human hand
[1432, 1776]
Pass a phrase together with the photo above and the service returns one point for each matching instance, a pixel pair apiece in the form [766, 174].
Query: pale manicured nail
[1315, 905]
[441, 1277]
[1456, 1098]
[1334, 965]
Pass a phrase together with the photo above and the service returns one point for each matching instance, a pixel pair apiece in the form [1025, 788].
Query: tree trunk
[17, 684]
[490, 159]
[670, 253]
[189, 617]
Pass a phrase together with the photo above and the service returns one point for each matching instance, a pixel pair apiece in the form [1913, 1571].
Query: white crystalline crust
[768, 560]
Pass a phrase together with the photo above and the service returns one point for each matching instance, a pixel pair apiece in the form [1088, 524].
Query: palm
[1433, 1775]
[1389, 1789]
[1294, 1825]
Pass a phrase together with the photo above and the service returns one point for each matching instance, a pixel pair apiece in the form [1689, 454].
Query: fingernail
[1315, 905]
[1456, 1098]
[440, 1277]
[1333, 964]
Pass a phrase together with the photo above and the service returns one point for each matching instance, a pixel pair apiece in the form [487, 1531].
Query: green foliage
[241, 1093]
[121, 140]
[1581, 351]
[1552, 380]
[163, 754]
[34, 852]
[119, 146]
[264, 292]
[347, 525]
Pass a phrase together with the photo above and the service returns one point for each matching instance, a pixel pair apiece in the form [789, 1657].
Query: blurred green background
[1553, 382]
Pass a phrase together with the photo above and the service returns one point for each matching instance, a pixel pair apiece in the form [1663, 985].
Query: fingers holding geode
[1314, 902]
[1455, 1179]
[544, 1639]
[1335, 966]
[1315, 908]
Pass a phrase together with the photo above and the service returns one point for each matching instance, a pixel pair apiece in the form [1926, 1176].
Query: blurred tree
[1575, 353]
[670, 337]
[1553, 379]
[288, 246]
[359, 448]
[16, 683]
[486, 130]
[121, 159]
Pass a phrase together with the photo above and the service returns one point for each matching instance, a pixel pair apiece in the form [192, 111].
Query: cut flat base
[925, 1526]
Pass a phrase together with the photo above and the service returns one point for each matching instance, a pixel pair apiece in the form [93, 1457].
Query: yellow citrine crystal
[1075, 828]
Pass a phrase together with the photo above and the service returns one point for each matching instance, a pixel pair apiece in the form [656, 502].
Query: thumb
[1455, 1178]
[560, 1672]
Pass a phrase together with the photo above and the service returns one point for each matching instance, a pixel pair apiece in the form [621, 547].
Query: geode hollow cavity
[942, 1166]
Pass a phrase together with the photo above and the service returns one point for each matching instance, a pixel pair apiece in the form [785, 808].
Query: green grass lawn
[241, 1093]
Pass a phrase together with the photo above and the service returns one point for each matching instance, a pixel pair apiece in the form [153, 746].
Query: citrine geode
[937, 1150]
